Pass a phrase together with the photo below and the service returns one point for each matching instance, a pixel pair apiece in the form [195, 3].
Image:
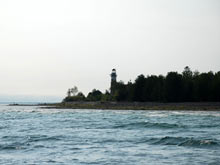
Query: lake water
[29, 135]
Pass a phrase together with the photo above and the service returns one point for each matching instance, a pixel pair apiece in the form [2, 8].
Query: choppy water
[29, 135]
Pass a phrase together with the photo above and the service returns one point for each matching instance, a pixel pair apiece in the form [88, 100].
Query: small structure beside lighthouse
[113, 81]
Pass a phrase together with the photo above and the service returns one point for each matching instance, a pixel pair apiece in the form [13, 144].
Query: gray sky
[48, 46]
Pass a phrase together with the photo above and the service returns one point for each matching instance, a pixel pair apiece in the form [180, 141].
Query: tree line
[187, 86]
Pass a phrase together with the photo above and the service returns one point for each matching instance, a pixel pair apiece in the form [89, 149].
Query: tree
[74, 90]
[173, 87]
[153, 88]
[74, 95]
[204, 84]
[107, 96]
[139, 88]
[69, 93]
[216, 87]
[121, 92]
[187, 84]
[95, 95]
[187, 73]
[130, 91]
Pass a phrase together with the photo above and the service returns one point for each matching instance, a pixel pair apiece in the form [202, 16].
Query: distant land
[188, 86]
[175, 91]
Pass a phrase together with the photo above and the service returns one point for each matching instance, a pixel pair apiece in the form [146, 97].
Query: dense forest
[174, 87]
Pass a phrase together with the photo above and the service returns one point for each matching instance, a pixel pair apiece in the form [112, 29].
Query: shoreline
[191, 106]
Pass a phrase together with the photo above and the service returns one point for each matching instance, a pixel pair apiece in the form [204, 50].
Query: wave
[185, 141]
[149, 125]
[13, 146]
[207, 126]
[3, 127]
[24, 142]
[36, 138]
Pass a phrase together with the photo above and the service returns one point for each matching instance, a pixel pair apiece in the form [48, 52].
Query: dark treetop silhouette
[174, 87]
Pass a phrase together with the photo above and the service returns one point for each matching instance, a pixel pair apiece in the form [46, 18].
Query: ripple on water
[151, 125]
[186, 141]
[13, 146]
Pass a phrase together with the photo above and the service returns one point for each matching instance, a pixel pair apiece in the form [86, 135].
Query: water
[29, 135]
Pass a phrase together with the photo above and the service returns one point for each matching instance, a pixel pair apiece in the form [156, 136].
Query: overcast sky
[48, 46]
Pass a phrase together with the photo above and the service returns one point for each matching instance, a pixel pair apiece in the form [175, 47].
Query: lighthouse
[113, 80]
[113, 75]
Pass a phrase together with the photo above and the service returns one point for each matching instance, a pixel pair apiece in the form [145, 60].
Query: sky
[48, 46]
